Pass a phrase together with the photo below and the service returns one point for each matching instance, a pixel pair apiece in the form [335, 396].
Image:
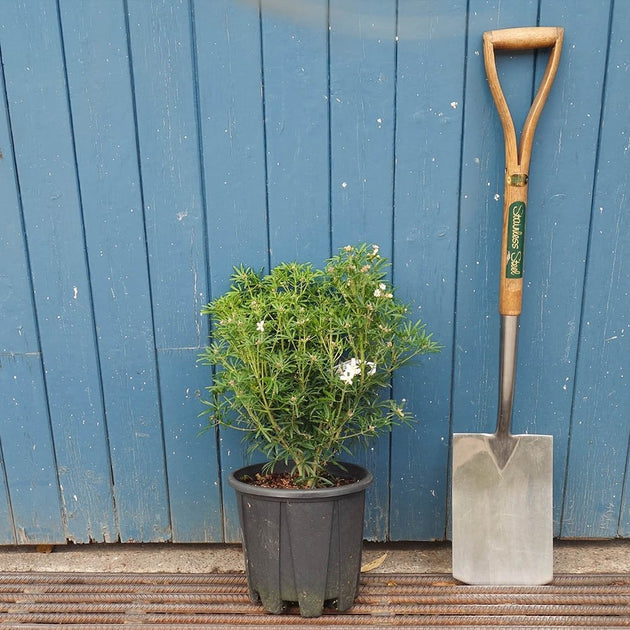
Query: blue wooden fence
[148, 146]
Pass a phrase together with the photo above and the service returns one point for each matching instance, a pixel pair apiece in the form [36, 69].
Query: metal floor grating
[110, 600]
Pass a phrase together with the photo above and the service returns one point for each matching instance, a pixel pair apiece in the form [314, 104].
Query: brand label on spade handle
[515, 240]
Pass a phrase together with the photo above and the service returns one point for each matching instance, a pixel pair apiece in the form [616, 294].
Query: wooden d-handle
[517, 157]
[524, 38]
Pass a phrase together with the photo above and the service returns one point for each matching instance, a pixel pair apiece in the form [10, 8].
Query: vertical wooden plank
[228, 48]
[295, 57]
[18, 335]
[193, 471]
[28, 453]
[624, 516]
[24, 488]
[362, 84]
[227, 36]
[164, 79]
[430, 103]
[164, 83]
[362, 79]
[102, 113]
[600, 430]
[38, 105]
[557, 231]
[7, 532]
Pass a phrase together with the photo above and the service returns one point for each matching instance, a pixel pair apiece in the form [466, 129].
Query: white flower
[379, 292]
[260, 326]
[346, 377]
[352, 367]
[348, 370]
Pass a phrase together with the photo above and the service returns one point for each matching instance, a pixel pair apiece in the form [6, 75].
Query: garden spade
[502, 483]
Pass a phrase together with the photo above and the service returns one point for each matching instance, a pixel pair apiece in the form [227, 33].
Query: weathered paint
[77, 466]
[147, 146]
[231, 114]
[596, 499]
[296, 96]
[362, 75]
[430, 100]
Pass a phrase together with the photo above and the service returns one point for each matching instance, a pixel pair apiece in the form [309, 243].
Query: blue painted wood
[22, 396]
[362, 117]
[166, 95]
[558, 219]
[181, 138]
[29, 460]
[18, 334]
[167, 126]
[362, 76]
[600, 429]
[430, 103]
[296, 99]
[193, 473]
[7, 532]
[44, 154]
[228, 53]
[102, 116]
[228, 56]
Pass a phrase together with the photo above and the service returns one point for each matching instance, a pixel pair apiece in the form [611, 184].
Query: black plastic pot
[302, 546]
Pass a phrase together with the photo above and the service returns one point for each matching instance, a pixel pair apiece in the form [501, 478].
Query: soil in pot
[290, 481]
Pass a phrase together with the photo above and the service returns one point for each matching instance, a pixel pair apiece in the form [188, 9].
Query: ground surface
[569, 557]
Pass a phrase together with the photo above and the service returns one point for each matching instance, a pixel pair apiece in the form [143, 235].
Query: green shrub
[304, 358]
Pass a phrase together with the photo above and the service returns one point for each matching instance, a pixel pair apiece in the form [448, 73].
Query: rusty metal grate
[97, 600]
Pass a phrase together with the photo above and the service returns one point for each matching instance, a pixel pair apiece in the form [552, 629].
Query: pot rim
[363, 475]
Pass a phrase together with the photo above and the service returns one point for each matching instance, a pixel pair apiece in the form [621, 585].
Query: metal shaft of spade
[507, 372]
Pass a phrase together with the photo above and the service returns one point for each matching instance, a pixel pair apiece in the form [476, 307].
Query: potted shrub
[303, 360]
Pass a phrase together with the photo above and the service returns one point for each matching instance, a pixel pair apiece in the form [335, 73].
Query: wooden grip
[525, 38]
[517, 157]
